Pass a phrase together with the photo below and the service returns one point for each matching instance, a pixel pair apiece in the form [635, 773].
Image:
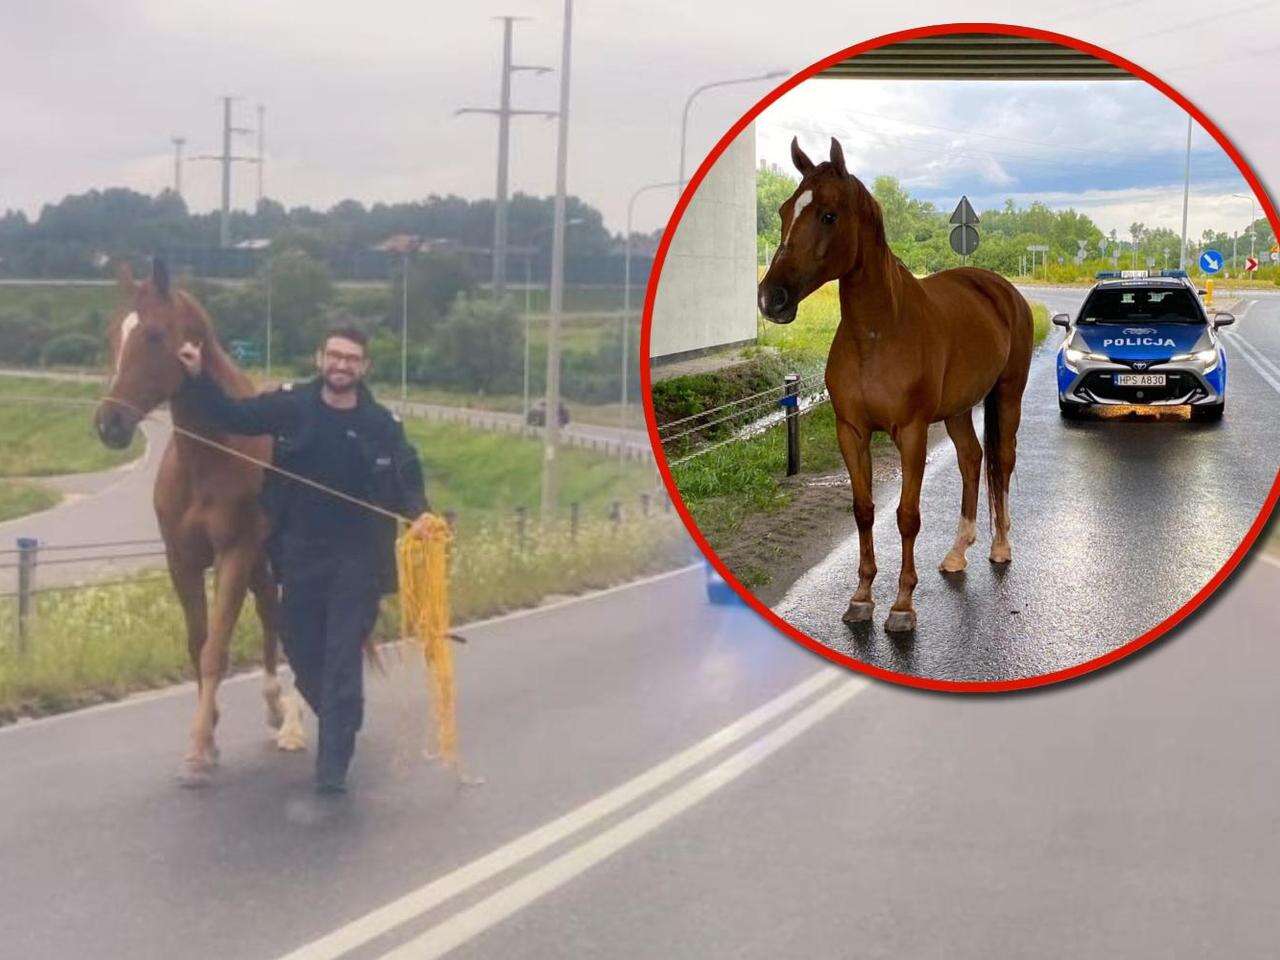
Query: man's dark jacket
[290, 415]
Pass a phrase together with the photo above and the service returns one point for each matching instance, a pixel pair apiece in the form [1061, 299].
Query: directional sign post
[1042, 250]
[964, 235]
[1211, 261]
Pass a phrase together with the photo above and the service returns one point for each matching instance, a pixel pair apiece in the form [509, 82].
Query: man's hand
[421, 528]
[189, 355]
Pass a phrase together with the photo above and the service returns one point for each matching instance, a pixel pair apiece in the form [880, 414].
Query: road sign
[1250, 264]
[1275, 256]
[1102, 245]
[245, 351]
[1211, 261]
[964, 239]
[964, 213]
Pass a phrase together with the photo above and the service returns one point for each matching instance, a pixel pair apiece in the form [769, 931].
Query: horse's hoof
[290, 742]
[952, 563]
[194, 775]
[1001, 554]
[859, 611]
[900, 621]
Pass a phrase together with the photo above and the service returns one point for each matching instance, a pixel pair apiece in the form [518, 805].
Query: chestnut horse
[907, 353]
[206, 500]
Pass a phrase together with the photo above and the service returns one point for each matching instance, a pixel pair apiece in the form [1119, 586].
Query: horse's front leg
[912, 441]
[855, 446]
[233, 569]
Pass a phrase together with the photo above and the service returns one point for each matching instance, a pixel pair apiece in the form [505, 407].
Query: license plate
[1139, 379]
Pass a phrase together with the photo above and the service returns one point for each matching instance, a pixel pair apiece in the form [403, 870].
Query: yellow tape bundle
[423, 567]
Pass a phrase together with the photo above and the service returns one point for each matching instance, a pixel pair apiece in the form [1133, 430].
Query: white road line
[1243, 348]
[189, 686]
[414, 904]
[495, 908]
[1257, 353]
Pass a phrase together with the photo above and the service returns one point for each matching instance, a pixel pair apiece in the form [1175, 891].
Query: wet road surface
[1116, 525]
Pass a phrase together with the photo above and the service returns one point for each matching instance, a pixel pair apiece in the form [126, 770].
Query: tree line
[918, 233]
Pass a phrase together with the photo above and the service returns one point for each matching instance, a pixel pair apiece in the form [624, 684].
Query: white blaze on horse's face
[802, 201]
[126, 328]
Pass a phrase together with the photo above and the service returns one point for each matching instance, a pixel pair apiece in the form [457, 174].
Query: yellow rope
[423, 567]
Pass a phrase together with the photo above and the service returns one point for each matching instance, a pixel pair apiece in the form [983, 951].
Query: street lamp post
[684, 123]
[404, 327]
[270, 265]
[1253, 218]
[626, 282]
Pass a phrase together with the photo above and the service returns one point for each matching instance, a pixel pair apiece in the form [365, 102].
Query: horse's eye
[155, 337]
[828, 218]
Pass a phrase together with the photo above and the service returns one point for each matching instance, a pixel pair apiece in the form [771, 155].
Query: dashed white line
[431, 895]
[492, 910]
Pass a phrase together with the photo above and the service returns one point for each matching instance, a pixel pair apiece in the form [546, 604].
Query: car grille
[1180, 387]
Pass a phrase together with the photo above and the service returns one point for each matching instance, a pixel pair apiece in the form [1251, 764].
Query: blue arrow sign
[1211, 261]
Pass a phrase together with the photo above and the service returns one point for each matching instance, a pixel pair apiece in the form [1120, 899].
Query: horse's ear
[837, 158]
[124, 278]
[798, 157]
[160, 277]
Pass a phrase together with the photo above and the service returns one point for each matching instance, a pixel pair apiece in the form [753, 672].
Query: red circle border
[646, 386]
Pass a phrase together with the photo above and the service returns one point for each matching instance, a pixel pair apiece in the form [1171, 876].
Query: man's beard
[341, 387]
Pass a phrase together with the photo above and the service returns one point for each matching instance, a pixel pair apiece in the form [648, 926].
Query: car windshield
[1129, 305]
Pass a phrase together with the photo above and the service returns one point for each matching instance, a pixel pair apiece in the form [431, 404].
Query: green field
[43, 437]
[20, 497]
[484, 476]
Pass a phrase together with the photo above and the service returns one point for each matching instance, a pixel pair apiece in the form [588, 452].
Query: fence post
[615, 514]
[791, 403]
[522, 515]
[644, 504]
[573, 522]
[27, 547]
[451, 518]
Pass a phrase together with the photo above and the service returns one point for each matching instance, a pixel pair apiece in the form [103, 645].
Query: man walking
[334, 558]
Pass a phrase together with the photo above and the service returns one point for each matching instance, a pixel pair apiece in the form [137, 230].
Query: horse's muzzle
[776, 303]
[115, 425]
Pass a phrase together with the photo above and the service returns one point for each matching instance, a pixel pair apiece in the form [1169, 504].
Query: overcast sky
[360, 100]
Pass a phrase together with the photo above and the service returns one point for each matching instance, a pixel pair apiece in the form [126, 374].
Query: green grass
[100, 643]
[19, 498]
[51, 438]
[485, 476]
[58, 302]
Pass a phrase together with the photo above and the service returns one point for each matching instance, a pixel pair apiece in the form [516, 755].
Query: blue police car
[1142, 339]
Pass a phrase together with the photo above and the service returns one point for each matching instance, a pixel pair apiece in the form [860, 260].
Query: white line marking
[1257, 353]
[495, 908]
[1243, 348]
[146, 696]
[431, 895]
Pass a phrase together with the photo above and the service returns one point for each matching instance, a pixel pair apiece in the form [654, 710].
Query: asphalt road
[669, 779]
[1116, 524]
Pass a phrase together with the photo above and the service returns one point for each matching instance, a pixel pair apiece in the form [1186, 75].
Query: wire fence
[747, 417]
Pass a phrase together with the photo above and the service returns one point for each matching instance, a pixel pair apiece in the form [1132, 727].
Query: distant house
[400, 243]
[256, 243]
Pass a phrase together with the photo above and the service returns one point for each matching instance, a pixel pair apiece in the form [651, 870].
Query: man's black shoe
[331, 787]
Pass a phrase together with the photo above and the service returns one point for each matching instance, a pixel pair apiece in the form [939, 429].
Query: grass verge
[19, 498]
[46, 439]
[94, 644]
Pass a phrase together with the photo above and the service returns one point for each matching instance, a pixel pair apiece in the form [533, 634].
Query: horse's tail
[991, 453]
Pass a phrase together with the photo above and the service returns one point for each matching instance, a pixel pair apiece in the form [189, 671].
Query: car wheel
[1070, 411]
[1210, 413]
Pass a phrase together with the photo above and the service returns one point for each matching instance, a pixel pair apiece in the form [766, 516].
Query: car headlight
[1074, 356]
[1207, 357]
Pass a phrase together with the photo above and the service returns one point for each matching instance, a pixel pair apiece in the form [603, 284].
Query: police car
[1142, 338]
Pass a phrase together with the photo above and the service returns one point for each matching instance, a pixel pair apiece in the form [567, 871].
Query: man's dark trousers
[330, 605]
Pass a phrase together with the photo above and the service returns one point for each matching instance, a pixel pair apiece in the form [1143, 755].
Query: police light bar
[1137, 274]
[1173, 273]
[1107, 275]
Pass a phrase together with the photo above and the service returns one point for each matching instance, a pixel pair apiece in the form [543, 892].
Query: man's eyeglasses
[350, 359]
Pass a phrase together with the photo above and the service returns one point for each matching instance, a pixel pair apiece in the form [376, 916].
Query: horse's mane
[215, 360]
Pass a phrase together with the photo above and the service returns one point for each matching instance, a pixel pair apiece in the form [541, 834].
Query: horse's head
[143, 340]
[827, 224]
